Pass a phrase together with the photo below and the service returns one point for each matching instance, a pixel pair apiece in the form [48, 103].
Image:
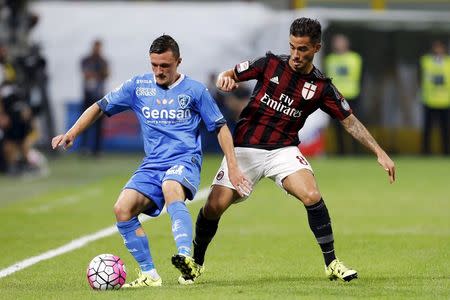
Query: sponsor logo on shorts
[175, 170]
[220, 175]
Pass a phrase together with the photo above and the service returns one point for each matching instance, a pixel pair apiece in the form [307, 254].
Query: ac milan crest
[308, 90]
[220, 175]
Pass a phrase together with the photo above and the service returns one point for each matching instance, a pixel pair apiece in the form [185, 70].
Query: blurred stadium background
[396, 234]
[47, 39]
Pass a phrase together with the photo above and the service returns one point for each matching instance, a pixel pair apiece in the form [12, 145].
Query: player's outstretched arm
[227, 81]
[88, 117]
[242, 185]
[360, 132]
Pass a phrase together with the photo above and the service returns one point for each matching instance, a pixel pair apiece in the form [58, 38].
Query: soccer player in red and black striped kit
[289, 88]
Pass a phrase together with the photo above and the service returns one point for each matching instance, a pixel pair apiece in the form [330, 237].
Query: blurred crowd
[27, 125]
[23, 92]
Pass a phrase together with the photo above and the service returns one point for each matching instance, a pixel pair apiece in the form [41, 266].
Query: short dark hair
[165, 43]
[307, 27]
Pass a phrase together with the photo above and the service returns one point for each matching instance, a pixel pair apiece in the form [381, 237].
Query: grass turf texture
[396, 236]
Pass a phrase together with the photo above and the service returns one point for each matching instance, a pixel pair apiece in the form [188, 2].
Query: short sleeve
[118, 100]
[209, 111]
[334, 104]
[248, 70]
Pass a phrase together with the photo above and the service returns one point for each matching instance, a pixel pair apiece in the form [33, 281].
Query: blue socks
[137, 245]
[181, 226]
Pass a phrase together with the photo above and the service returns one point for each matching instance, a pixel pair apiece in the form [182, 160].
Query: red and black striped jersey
[281, 102]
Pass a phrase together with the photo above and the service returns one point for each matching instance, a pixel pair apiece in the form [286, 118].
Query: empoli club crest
[183, 100]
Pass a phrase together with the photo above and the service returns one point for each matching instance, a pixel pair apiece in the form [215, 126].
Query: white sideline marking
[78, 243]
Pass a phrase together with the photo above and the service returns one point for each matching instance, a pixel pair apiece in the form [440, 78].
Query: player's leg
[174, 195]
[128, 206]
[181, 182]
[291, 171]
[222, 195]
[303, 186]
[219, 199]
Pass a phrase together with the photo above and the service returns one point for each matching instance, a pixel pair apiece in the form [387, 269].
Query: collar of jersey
[177, 82]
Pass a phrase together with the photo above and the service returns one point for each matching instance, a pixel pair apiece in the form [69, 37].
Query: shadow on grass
[376, 286]
[319, 279]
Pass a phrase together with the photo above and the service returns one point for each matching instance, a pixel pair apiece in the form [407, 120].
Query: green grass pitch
[397, 236]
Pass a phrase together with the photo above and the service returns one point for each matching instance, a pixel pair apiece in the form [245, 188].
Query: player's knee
[122, 212]
[311, 197]
[219, 199]
[173, 190]
[213, 210]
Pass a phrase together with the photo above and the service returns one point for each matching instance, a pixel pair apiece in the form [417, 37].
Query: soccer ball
[106, 272]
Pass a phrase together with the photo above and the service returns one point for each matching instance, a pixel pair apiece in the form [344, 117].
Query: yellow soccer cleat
[189, 269]
[186, 281]
[337, 270]
[143, 280]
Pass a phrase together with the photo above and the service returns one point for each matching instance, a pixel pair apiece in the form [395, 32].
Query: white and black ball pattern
[106, 272]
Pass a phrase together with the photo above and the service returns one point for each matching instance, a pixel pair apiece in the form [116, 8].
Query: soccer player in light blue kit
[169, 107]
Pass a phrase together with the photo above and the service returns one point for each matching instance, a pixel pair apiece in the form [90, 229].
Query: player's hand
[64, 141]
[388, 165]
[242, 185]
[226, 84]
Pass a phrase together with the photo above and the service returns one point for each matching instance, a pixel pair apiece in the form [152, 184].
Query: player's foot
[189, 269]
[143, 280]
[337, 270]
[186, 280]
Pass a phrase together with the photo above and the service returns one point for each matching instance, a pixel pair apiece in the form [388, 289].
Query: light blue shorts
[148, 181]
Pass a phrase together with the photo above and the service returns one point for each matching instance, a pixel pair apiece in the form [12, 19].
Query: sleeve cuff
[103, 103]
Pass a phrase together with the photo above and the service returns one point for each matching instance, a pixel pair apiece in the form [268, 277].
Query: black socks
[320, 224]
[204, 232]
[318, 218]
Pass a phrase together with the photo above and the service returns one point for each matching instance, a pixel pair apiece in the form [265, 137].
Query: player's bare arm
[242, 185]
[227, 81]
[360, 132]
[88, 117]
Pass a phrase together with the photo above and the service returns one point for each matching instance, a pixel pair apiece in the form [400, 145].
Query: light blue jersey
[169, 120]
[169, 117]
